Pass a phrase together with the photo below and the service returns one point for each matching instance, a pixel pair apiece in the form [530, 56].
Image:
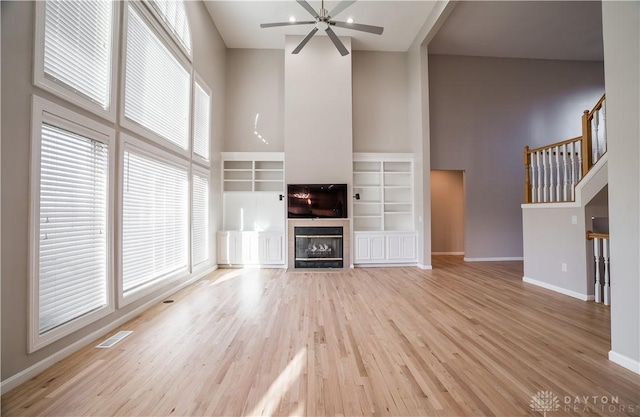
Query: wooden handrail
[593, 235]
[598, 105]
[553, 145]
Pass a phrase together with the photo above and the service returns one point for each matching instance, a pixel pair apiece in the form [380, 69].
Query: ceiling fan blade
[337, 42]
[308, 8]
[358, 26]
[340, 7]
[304, 41]
[272, 25]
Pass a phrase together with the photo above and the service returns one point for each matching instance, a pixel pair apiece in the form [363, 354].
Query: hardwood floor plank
[463, 339]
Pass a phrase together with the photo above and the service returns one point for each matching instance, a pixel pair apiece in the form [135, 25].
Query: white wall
[318, 130]
[255, 86]
[17, 63]
[447, 212]
[483, 112]
[380, 87]
[621, 31]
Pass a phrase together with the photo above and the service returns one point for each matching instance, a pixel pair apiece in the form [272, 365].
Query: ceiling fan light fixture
[322, 25]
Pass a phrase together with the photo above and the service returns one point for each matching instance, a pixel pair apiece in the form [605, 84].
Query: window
[74, 51]
[201, 120]
[174, 15]
[200, 217]
[70, 261]
[157, 84]
[155, 218]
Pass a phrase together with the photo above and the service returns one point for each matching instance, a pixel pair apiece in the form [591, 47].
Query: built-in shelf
[252, 173]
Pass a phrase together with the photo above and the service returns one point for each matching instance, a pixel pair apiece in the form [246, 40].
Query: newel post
[527, 175]
[587, 156]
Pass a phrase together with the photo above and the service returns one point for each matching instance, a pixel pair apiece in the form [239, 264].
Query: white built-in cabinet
[253, 209]
[383, 216]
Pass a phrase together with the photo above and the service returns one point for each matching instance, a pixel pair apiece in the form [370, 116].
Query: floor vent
[114, 339]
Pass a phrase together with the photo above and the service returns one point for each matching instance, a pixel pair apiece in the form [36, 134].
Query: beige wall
[380, 119]
[447, 212]
[255, 85]
[483, 113]
[621, 31]
[17, 63]
[318, 130]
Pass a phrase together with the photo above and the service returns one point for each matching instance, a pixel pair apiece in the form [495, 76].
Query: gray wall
[483, 112]
[255, 85]
[621, 23]
[447, 212]
[17, 56]
[380, 84]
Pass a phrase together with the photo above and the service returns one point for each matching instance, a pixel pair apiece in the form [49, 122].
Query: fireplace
[318, 247]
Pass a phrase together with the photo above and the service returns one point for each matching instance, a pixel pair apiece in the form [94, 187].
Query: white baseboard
[421, 266]
[625, 362]
[35, 369]
[557, 289]
[447, 253]
[382, 265]
[508, 258]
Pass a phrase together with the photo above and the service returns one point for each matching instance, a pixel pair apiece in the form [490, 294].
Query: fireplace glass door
[318, 247]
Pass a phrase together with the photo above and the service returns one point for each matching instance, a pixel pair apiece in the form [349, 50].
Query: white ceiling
[238, 22]
[512, 29]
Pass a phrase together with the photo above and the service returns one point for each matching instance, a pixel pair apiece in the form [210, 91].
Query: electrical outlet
[563, 266]
[574, 219]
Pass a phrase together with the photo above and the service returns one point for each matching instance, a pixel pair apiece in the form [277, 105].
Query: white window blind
[77, 47]
[154, 219]
[73, 244]
[157, 84]
[201, 122]
[200, 216]
[174, 15]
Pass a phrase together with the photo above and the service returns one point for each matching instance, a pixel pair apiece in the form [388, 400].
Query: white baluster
[545, 176]
[607, 283]
[557, 173]
[532, 176]
[595, 137]
[604, 127]
[579, 168]
[539, 169]
[573, 171]
[596, 256]
[565, 159]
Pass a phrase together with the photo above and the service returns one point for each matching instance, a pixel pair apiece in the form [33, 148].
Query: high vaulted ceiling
[569, 30]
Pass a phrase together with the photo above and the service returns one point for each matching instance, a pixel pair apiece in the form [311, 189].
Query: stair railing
[601, 247]
[552, 171]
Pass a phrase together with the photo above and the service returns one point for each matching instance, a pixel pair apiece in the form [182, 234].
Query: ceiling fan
[324, 21]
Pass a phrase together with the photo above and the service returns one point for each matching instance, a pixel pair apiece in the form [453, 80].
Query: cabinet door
[394, 248]
[378, 252]
[223, 248]
[363, 249]
[270, 247]
[409, 247]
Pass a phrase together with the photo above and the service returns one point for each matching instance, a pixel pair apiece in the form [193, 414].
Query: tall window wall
[156, 184]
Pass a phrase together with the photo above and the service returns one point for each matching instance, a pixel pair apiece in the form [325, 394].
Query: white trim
[447, 253]
[625, 362]
[131, 125]
[35, 369]
[65, 92]
[128, 142]
[382, 157]
[44, 110]
[557, 289]
[383, 265]
[251, 156]
[498, 259]
[426, 267]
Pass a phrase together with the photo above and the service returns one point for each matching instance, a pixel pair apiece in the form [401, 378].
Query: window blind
[200, 218]
[154, 219]
[201, 125]
[73, 251]
[77, 47]
[157, 85]
[174, 15]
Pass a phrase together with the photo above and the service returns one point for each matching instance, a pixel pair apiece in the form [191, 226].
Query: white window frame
[169, 29]
[194, 156]
[46, 111]
[126, 143]
[178, 55]
[64, 92]
[209, 262]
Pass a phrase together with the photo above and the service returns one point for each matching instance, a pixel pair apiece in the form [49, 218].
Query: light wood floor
[462, 339]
